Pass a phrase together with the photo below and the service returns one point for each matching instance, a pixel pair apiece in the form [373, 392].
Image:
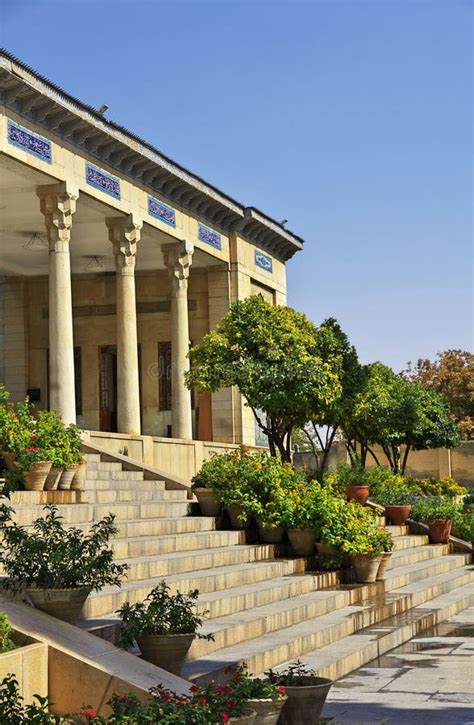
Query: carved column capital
[178, 259]
[124, 233]
[58, 204]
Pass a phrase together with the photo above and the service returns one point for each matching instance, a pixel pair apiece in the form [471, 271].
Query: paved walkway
[427, 681]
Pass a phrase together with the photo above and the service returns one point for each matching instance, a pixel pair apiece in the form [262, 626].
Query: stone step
[409, 541]
[132, 495]
[149, 528]
[104, 466]
[275, 642]
[107, 484]
[111, 598]
[403, 557]
[130, 547]
[341, 657]
[82, 513]
[397, 530]
[113, 475]
[92, 457]
[403, 575]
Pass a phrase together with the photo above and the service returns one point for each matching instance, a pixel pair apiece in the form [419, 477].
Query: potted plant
[164, 626]
[57, 567]
[385, 545]
[468, 503]
[210, 704]
[266, 698]
[301, 516]
[438, 512]
[397, 501]
[33, 462]
[207, 482]
[354, 478]
[306, 694]
[363, 543]
[72, 457]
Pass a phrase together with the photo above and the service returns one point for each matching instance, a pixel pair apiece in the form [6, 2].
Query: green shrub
[464, 527]
[431, 508]
[6, 643]
[161, 613]
[13, 712]
[446, 486]
[51, 556]
[397, 495]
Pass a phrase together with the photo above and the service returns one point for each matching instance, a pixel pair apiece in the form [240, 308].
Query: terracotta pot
[79, 477]
[9, 459]
[64, 604]
[383, 566]
[366, 567]
[357, 493]
[35, 478]
[440, 530]
[302, 541]
[397, 515]
[325, 549]
[67, 477]
[248, 719]
[268, 711]
[167, 651]
[234, 511]
[210, 505]
[304, 704]
[270, 534]
[52, 480]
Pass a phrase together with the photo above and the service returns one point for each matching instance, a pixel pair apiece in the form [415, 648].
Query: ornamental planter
[397, 515]
[325, 549]
[302, 541]
[234, 511]
[383, 566]
[305, 704]
[357, 493]
[64, 604]
[35, 478]
[210, 505]
[67, 477]
[270, 534]
[440, 530]
[248, 719]
[167, 651]
[52, 481]
[78, 482]
[366, 567]
[267, 711]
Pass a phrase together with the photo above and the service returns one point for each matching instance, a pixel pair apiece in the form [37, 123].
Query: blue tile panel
[263, 261]
[100, 179]
[30, 142]
[209, 236]
[161, 211]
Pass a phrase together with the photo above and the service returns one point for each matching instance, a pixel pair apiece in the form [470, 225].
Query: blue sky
[351, 119]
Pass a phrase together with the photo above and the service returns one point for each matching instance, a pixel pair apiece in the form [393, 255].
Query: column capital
[178, 259]
[124, 233]
[58, 204]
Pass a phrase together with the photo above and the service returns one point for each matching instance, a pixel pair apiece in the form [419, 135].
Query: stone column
[178, 258]
[58, 204]
[124, 233]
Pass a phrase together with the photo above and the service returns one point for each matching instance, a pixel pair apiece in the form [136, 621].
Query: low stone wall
[437, 463]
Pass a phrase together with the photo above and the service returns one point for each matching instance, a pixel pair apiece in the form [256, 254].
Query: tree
[326, 420]
[271, 354]
[452, 375]
[394, 412]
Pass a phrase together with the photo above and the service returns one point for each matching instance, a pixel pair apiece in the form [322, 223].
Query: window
[164, 375]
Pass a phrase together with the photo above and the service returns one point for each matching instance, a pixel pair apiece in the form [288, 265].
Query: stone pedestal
[58, 204]
[178, 259]
[124, 233]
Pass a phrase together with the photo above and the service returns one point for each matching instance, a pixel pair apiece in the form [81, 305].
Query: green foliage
[309, 506]
[271, 354]
[295, 675]
[396, 495]
[469, 499]
[437, 486]
[6, 643]
[54, 557]
[431, 508]
[13, 712]
[464, 526]
[247, 687]
[161, 613]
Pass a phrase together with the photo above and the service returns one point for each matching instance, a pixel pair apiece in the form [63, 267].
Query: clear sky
[351, 119]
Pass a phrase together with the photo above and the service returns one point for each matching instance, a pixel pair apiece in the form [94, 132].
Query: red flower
[223, 690]
[225, 717]
[89, 714]
[232, 704]
[34, 437]
[194, 689]
[282, 689]
[32, 449]
[202, 700]
[236, 677]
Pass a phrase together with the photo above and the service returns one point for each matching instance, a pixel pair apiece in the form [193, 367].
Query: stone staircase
[262, 609]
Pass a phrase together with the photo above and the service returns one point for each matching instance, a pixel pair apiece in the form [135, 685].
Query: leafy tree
[393, 412]
[322, 429]
[452, 375]
[271, 354]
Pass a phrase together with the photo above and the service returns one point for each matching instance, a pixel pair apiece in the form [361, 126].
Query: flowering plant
[430, 508]
[242, 684]
[295, 675]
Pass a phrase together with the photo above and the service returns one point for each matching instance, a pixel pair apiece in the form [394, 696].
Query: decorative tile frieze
[30, 142]
[263, 261]
[102, 180]
[161, 211]
[209, 236]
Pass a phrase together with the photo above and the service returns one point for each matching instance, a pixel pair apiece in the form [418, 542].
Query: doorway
[108, 388]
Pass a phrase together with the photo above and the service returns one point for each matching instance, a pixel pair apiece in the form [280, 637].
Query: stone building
[114, 259]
